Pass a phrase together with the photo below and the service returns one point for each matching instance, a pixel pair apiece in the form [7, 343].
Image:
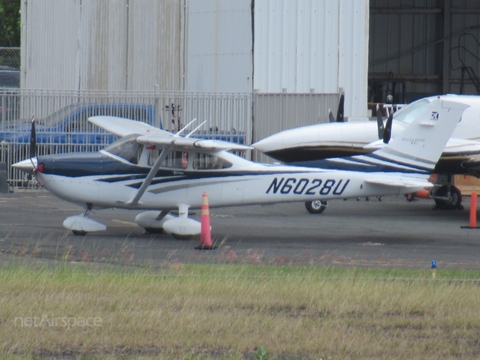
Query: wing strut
[149, 177]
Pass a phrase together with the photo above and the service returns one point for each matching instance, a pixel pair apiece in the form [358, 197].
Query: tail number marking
[306, 187]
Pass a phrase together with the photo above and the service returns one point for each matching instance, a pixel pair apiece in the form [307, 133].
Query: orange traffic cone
[423, 194]
[473, 213]
[205, 235]
[473, 210]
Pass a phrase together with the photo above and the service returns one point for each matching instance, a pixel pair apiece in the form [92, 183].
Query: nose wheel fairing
[82, 224]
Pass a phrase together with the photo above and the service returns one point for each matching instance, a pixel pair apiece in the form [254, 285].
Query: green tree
[10, 21]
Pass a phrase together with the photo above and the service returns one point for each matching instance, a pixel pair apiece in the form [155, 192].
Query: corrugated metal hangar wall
[267, 46]
[102, 45]
[411, 48]
[298, 47]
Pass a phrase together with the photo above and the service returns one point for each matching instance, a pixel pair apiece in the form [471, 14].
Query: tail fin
[422, 142]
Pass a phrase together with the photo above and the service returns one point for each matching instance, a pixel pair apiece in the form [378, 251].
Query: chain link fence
[9, 67]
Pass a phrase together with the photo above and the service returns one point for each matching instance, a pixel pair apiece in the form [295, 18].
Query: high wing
[149, 135]
[123, 127]
[184, 142]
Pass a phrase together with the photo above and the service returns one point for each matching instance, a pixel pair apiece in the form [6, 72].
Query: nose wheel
[316, 206]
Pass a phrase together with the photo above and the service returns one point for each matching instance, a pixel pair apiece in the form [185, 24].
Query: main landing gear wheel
[452, 203]
[316, 206]
[79, 232]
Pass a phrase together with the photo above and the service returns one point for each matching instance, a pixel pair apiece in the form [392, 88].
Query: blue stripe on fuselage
[111, 170]
[361, 163]
[87, 164]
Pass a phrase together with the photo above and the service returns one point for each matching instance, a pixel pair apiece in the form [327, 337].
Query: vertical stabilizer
[422, 142]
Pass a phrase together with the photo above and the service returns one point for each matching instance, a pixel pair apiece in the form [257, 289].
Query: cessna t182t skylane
[308, 144]
[154, 170]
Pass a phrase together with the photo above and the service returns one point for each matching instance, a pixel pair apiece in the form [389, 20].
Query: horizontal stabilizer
[453, 144]
[404, 182]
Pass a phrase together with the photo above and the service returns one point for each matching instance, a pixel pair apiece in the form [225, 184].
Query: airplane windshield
[410, 112]
[127, 148]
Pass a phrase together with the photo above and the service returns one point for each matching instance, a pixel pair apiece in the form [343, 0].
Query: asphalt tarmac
[391, 233]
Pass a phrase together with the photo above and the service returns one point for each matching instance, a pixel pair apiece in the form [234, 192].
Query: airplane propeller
[340, 110]
[380, 125]
[33, 139]
[387, 133]
[33, 143]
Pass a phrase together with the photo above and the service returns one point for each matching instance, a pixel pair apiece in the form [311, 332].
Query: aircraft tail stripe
[372, 162]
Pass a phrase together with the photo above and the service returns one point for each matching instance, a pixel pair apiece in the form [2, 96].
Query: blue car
[9, 77]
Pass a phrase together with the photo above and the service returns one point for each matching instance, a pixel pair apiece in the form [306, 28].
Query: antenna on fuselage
[185, 127]
[191, 132]
[198, 127]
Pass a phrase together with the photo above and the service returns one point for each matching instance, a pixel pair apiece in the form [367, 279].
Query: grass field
[80, 311]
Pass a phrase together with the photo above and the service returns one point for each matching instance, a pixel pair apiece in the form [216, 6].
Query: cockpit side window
[176, 159]
[127, 148]
[209, 161]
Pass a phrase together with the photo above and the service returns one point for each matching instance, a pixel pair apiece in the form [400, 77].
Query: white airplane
[154, 170]
[310, 145]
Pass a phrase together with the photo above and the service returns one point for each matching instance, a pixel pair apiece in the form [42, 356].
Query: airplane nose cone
[26, 165]
[270, 143]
